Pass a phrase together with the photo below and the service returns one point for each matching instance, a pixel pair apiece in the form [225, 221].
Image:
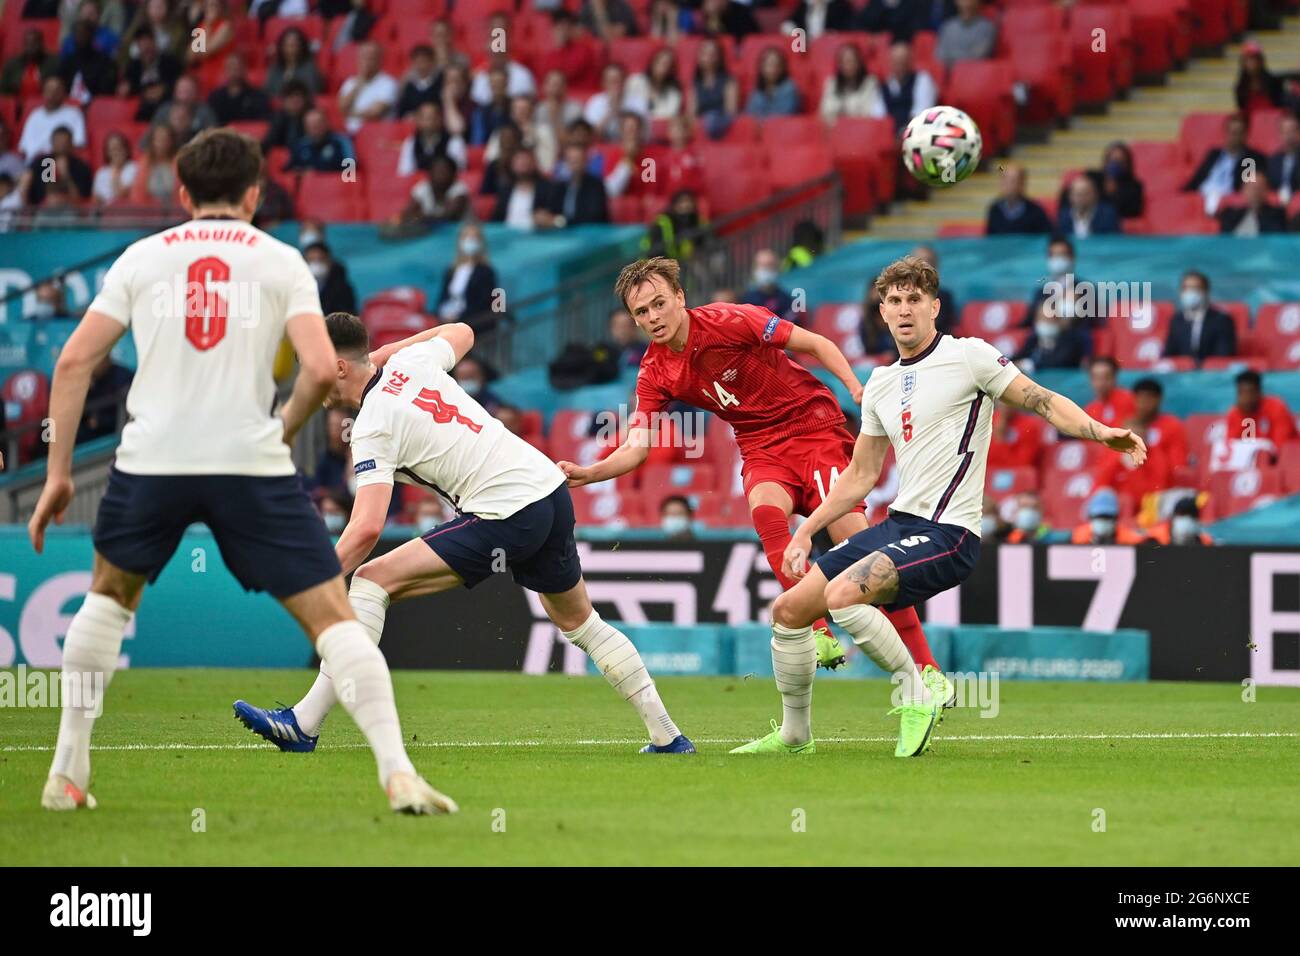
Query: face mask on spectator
[1067, 308]
[1102, 527]
[1115, 169]
[988, 526]
[1028, 519]
[470, 247]
[1183, 528]
[1045, 331]
[472, 386]
[43, 310]
[675, 524]
[334, 522]
[1058, 265]
[1191, 299]
[319, 268]
[764, 277]
[308, 238]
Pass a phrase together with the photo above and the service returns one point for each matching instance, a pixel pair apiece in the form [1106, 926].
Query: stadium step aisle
[1148, 114]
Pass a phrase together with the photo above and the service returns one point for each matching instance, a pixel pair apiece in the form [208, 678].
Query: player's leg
[618, 659]
[90, 652]
[410, 570]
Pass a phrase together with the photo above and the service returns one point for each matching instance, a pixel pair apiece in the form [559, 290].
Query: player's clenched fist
[794, 563]
[577, 475]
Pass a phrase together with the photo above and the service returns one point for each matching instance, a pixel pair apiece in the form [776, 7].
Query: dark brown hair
[348, 333]
[909, 272]
[218, 166]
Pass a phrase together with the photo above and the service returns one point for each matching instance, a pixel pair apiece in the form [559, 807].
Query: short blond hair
[909, 272]
[634, 273]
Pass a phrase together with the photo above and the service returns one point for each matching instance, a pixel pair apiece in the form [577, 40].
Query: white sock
[365, 689]
[879, 640]
[619, 661]
[370, 605]
[794, 662]
[90, 653]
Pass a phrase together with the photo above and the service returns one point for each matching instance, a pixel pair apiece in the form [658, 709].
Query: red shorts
[804, 465]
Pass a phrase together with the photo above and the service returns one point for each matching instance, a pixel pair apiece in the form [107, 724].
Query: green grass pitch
[546, 772]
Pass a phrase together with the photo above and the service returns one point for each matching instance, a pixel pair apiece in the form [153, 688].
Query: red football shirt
[1167, 432]
[735, 366]
[1020, 445]
[1272, 420]
[1117, 409]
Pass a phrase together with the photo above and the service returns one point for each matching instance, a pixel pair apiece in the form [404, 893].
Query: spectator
[572, 53]
[236, 100]
[1110, 404]
[469, 287]
[1284, 165]
[334, 510]
[429, 140]
[457, 107]
[539, 137]
[155, 176]
[1028, 526]
[851, 90]
[629, 342]
[766, 290]
[663, 91]
[287, 125]
[816, 17]
[1160, 429]
[1257, 416]
[875, 334]
[293, 62]
[113, 180]
[1013, 212]
[54, 112]
[555, 110]
[1103, 525]
[1198, 329]
[714, 97]
[24, 75]
[320, 148]
[109, 383]
[1257, 88]
[275, 205]
[899, 18]
[334, 464]
[906, 90]
[336, 292]
[67, 166]
[167, 27]
[608, 19]
[11, 161]
[150, 75]
[949, 307]
[1017, 441]
[445, 55]
[519, 79]
[59, 208]
[619, 94]
[473, 376]
[372, 93]
[581, 198]
[1061, 281]
[496, 174]
[423, 83]
[774, 93]
[496, 112]
[680, 167]
[1141, 485]
[805, 247]
[627, 177]
[528, 201]
[1221, 169]
[1053, 342]
[86, 69]
[672, 232]
[51, 301]
[993, 527]
[430, 512]
[1254, 216]
[219, 42]
[967, 36]
[676, 518]
[101, 36]
[185, 98]
[11, 203]
[439, 196]
[1115, 182]
[1183, 526]
[1086, 214]
[724, 18]
[358, 20]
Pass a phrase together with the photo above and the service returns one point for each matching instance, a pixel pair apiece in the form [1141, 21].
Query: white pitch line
[428, 745]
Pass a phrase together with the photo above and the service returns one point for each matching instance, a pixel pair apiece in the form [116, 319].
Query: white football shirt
[937, 409]
[417, 426]
[207, 302]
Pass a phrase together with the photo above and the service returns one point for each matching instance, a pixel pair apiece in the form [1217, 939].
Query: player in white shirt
[934, 407]
[208, 303]
[416, 425]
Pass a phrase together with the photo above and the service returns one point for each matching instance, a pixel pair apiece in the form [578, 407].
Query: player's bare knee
[784, 611]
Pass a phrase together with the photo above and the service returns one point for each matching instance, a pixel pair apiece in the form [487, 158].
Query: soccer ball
[941, 146]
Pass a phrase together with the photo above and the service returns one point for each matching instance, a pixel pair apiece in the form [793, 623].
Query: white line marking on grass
[434, 744]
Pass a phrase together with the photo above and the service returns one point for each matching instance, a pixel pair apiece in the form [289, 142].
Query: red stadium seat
[1199, 132]
[657, 482]
[1234, 363]
[779, 133]
[1288, 466]
[387, 195]
[1265, 133]
[110, 111]
[1212, 22]
[328, 197]
[1149, 319]
[800, 164]
[570, 437]
[865, 155]
[386, 315]
[734, 189]
[983, 89]
[1240, 312]
[410, 296]
[722, 511]
[313, 27]
[26, 400]
[1001, 482]
[990, 318]
[1064, 496]
[1179, 214]
[825, 50]
[1008, 342]
[1161, 34]
[1100, 75]
[1276, 335]
[602, 506]
[1203, 432]
[1138, 351]
[1232, 492]
[635, 53]
[1150, 158]
[841, 323]
[1044, 66]
[13, 39]
[1070, 457]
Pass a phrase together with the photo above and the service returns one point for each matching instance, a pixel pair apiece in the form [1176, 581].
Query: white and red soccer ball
[941, 146]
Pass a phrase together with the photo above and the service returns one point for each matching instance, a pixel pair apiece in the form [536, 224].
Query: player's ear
[252, 200]
[187, 201]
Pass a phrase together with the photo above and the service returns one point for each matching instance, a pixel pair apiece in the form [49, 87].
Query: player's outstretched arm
[1069, 419]
[366, 524]
[627, 457]
[458, 335]
[90, 343]
[317, 370]
[850, 488]
[829, 354]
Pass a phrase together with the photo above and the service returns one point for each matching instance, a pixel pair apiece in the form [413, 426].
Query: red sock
[773, 527]
[908, 626]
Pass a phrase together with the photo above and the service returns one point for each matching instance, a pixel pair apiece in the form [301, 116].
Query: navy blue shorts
[535, 543]
[270, 535]
[930, 557]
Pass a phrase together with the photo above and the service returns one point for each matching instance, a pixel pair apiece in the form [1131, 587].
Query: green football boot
[773, 744]
[916, 726]
[941, 689]
[830, 652]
